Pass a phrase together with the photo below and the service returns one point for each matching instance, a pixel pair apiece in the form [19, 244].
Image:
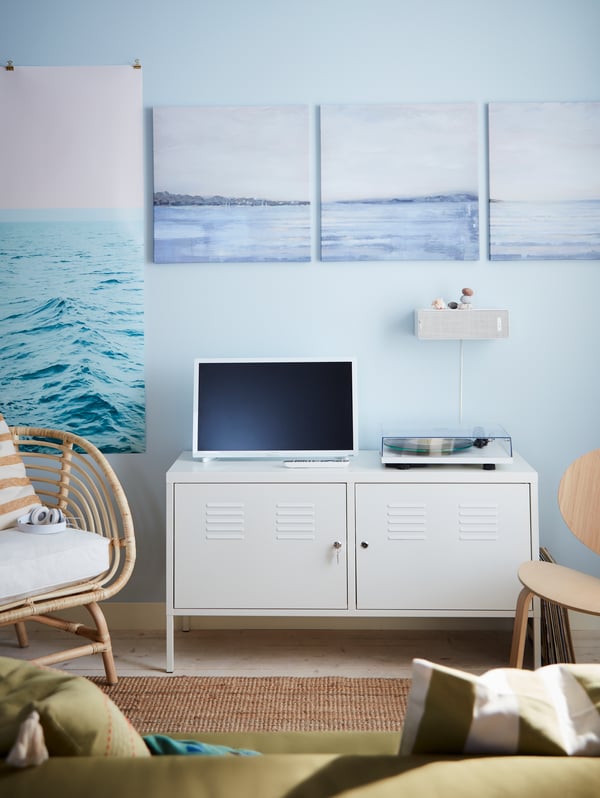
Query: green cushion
[302, 742]
[485, 777]
[552, 711]
[78, 719]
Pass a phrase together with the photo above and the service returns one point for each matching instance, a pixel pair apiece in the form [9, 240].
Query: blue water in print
[231, 233]
[417, 230]
[545, 230]
[71, 325]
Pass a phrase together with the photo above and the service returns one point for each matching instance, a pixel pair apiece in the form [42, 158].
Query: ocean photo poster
[399, 182]
[72, 252]
[231, 184]
[544, 173]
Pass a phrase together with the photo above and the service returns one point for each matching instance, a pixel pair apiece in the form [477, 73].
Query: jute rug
[225, 704]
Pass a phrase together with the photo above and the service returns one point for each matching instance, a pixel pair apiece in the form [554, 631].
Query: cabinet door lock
[337, 546]
[364, 544]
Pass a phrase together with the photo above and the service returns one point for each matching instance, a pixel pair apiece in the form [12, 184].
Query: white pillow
[17, 496]
[552, 711]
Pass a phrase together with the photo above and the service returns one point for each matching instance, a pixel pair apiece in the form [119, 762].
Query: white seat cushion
[32, 564]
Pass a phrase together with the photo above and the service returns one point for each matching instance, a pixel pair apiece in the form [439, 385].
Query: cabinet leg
[170, 642]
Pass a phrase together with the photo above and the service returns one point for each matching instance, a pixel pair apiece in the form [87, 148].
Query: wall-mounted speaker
[473, 324]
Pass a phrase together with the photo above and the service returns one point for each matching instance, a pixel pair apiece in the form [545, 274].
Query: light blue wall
[543, 384]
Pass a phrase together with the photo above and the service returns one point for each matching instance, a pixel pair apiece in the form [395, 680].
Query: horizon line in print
[544, 164]
[231, 184]
[399, 182]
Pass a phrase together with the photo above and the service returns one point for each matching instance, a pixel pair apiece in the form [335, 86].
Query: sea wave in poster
[71, 353]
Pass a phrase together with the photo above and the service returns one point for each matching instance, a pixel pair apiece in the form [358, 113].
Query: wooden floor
[286, 652]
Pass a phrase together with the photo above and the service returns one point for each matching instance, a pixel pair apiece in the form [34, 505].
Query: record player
[487, 446]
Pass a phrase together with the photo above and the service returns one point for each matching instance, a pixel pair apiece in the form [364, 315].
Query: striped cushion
[17, 496]
[552, 711]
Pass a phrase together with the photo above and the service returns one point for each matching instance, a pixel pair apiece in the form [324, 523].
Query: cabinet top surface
[365, 467]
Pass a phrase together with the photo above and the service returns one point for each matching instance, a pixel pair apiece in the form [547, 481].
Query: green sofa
[306, 765]
[94, 752]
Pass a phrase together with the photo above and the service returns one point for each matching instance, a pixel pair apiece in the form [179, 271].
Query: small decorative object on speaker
[466, 299]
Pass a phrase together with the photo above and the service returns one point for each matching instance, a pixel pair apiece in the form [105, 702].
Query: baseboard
[138, 616]
[150, 616]
[584, 623]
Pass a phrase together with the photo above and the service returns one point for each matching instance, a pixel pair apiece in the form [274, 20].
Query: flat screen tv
[275, 408]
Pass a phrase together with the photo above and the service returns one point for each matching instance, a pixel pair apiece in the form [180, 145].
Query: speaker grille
[478, 324]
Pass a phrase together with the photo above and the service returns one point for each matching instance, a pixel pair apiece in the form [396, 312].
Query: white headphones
[46, 515]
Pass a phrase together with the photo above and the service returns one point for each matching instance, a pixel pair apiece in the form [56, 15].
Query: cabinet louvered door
[441, 547]
[260, 547]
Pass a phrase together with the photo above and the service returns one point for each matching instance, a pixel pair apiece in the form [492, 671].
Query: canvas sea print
[544, 181]
[71, 253]
[399, 182]
[231, 184]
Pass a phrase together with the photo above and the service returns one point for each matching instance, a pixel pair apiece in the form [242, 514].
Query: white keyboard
[340, 462]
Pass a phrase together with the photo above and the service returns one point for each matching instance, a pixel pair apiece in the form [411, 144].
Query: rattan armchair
[70, 473]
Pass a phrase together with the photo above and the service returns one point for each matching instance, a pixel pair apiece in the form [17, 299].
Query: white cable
[460, 382]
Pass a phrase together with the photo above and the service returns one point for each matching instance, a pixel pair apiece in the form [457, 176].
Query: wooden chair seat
[558, 584]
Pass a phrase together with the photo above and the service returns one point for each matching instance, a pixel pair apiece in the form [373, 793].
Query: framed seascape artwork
[231, 184]
[72, 254]
[544, 164]
[399, 182]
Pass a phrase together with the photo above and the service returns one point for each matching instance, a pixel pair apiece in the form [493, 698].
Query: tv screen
[274, 408]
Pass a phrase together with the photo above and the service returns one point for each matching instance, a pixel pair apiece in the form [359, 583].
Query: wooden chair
[579, 503]
[70, 473]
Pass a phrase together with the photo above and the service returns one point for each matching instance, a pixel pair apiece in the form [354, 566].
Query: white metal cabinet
[440, 547]
[252, 538]
[266, 546]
